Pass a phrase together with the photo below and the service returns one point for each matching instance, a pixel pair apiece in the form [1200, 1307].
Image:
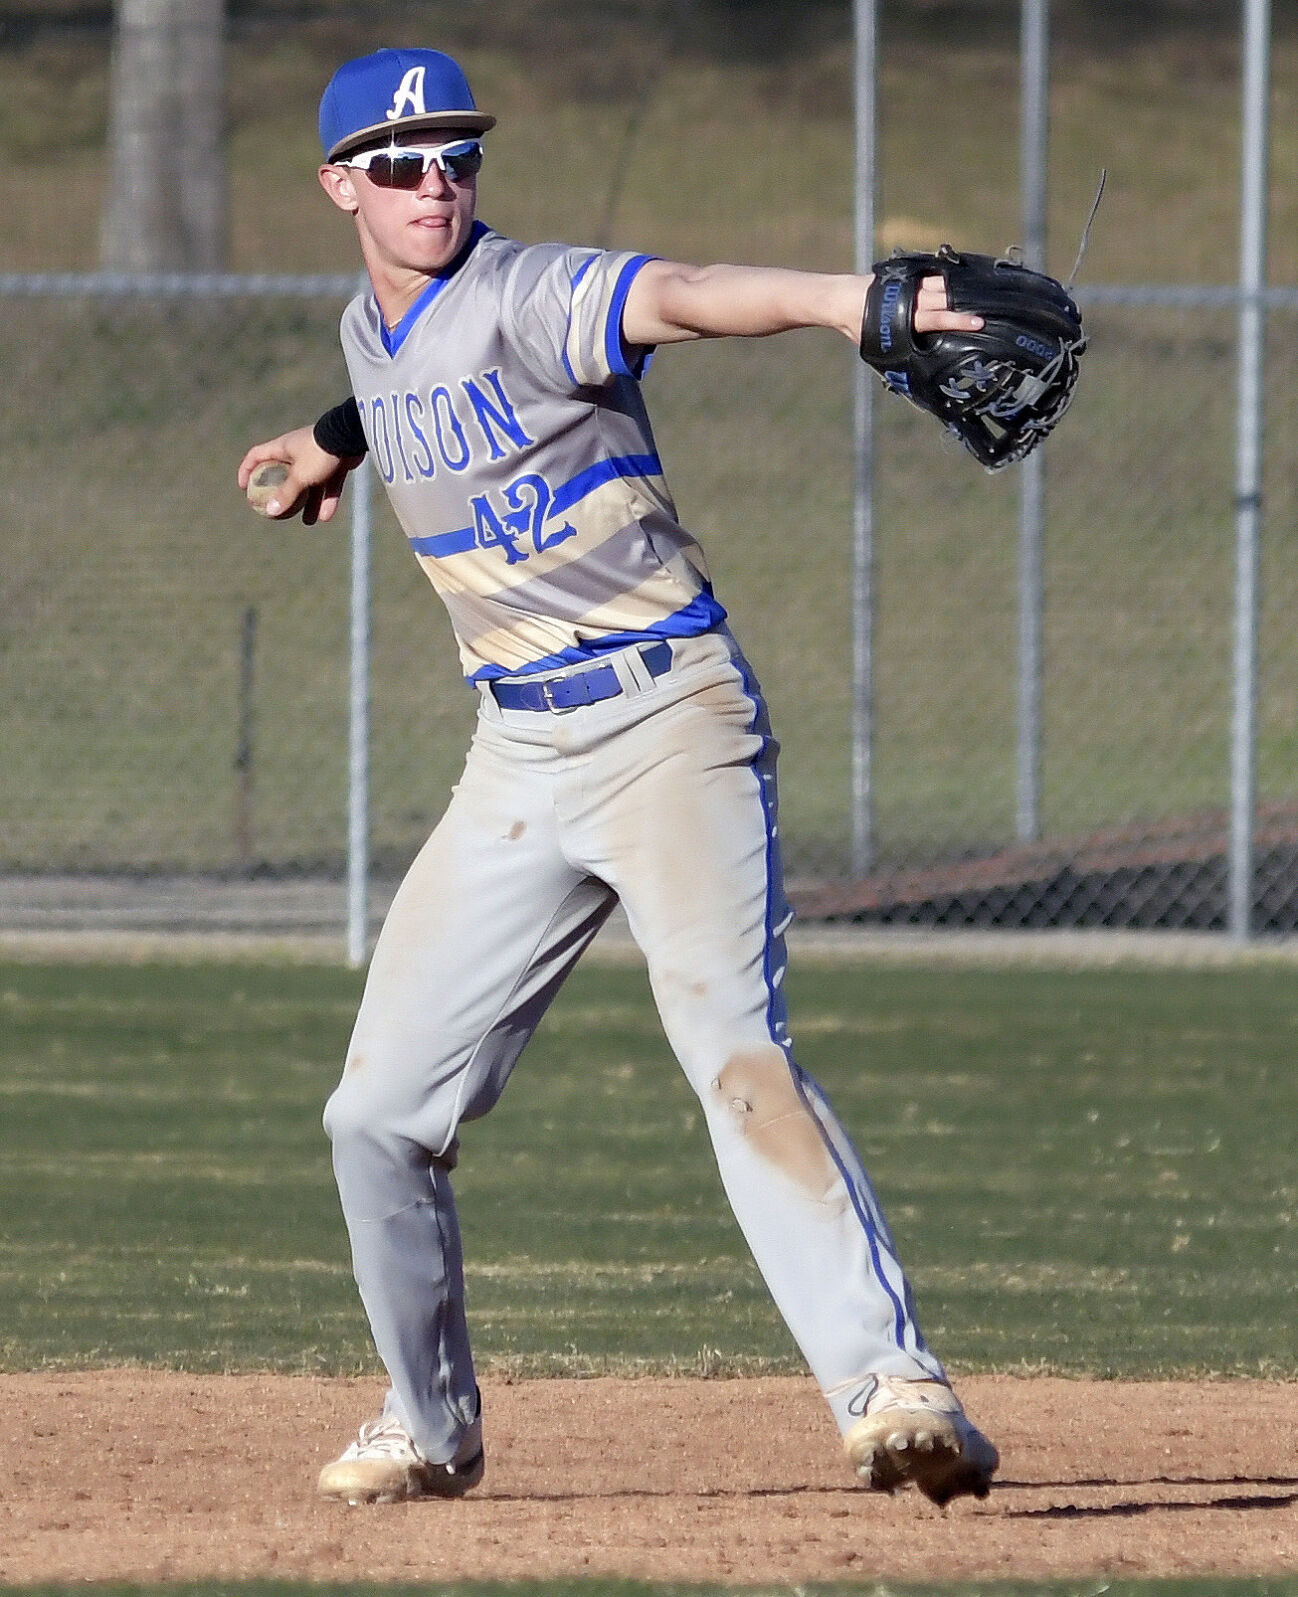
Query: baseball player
[622, 753]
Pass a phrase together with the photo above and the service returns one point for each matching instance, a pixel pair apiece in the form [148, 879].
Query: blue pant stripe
[778, 1028]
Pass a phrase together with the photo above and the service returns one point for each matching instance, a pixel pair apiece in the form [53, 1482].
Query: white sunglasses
[405, 166]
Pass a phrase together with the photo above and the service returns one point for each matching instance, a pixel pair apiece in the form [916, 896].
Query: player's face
[409, 230]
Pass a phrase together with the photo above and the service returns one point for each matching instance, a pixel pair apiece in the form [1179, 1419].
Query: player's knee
[381, 1167]
[340, 1119]
[362, 1122]
[757, 1091]
[353, 1115]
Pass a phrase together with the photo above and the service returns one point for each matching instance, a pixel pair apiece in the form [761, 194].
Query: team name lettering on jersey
[412, 434]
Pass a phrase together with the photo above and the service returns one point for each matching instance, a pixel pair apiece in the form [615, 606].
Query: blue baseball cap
[395, 91]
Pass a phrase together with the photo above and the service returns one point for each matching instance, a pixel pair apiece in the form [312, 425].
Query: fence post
[1034, 132]
[862, 711]
[244, 751]
[358, 725]
[1248, 463]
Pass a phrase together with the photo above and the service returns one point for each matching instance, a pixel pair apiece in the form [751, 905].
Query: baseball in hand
[265, 483]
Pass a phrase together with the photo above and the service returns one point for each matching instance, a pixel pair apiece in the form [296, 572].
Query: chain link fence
[1136, 687]
[175, 721]
[177, 669]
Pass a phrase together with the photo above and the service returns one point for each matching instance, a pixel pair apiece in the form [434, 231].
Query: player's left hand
[932, 314]
[999, 376]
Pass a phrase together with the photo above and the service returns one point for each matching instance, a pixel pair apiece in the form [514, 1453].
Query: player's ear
[337, 183]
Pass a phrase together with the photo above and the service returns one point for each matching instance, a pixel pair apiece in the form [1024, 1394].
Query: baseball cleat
[915, 1433]
[383, 1465]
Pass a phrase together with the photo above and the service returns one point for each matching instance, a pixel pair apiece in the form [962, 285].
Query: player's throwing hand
[312, 484]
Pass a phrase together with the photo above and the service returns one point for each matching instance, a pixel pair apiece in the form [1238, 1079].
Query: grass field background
[1089, 1172]
[131, 560]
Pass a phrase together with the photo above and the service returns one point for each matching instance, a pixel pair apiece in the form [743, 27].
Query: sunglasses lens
[396, 171]
[462, 161]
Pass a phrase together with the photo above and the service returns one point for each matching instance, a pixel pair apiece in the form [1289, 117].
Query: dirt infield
[138, 1475]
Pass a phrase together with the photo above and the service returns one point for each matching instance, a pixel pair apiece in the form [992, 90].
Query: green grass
[1088, 1172]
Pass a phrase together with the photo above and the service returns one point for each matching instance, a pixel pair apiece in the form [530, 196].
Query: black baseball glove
[999, 390]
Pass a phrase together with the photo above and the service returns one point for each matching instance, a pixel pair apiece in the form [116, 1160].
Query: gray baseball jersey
[622, 754]
[504, 417]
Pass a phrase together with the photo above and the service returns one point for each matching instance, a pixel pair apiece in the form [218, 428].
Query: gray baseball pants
[662, 798]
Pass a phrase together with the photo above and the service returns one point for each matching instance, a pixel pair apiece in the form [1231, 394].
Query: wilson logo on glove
[1001, 389]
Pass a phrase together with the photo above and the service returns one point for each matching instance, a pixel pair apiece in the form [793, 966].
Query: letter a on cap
[359, 104]
[409, 98]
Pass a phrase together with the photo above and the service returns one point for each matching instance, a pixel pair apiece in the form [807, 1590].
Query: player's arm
[670, 302]
[319, 459]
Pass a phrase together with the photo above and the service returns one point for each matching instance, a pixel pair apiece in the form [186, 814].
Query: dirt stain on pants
[759, 1090]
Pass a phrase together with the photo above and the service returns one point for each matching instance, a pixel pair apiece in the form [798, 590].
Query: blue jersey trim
[461, 540]
[701, 614]
[586, 482]
[615, 347]
[580, 273]
[394, 337]
[441, 544]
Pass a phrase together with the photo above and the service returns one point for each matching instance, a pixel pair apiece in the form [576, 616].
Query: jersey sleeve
[566, 312]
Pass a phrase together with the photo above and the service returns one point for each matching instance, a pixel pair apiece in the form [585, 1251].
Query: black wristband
[339, 431]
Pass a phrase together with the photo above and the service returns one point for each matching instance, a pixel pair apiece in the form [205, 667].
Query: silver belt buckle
[547, 693]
